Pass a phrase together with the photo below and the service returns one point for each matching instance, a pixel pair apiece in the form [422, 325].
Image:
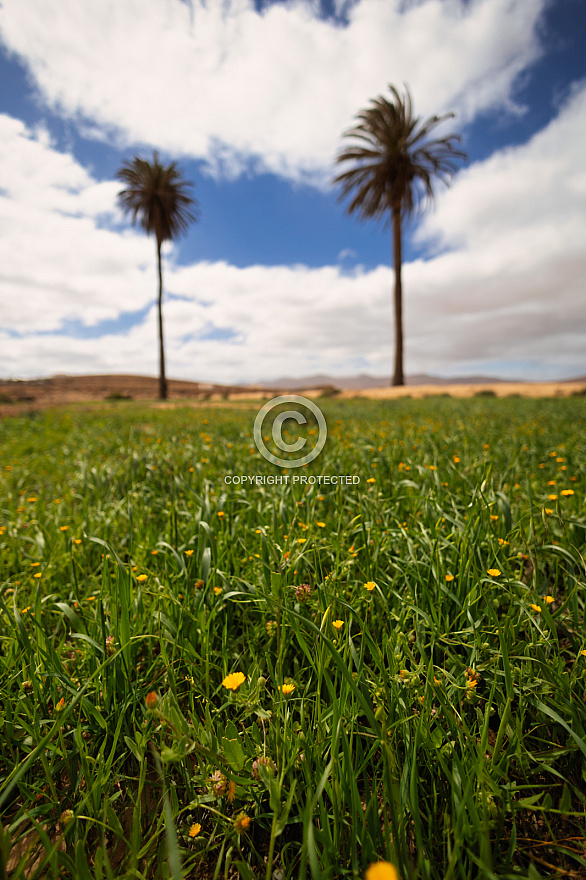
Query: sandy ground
[18, 397]
[500, 389]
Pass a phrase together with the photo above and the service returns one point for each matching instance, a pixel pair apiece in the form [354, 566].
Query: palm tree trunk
[398, 378]
[162, 377]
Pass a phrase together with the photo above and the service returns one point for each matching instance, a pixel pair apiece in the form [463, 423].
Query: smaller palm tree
[394, 163]
[157, 195]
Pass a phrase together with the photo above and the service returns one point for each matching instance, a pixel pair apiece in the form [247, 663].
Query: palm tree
[394, 163]
[157, 195]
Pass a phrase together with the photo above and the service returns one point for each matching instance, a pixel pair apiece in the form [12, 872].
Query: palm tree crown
[157, 194]
[395, 162]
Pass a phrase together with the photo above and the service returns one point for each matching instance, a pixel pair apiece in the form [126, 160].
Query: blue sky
[275, 279]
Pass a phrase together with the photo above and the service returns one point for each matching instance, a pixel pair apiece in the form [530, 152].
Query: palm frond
[157, 196]
[394, 158]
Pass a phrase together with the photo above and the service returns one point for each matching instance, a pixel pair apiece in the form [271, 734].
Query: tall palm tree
[394, 163]
[157, 195]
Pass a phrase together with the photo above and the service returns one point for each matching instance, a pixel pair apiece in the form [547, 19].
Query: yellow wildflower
[338, 624]
[449, 577]
[234, 680]
[536, 607]
[141, 578]
[370, 586]
[493, 572]
[287, 689]
[381, 871]
[194, 829]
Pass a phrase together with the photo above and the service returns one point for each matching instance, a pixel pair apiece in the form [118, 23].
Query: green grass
[441, 727]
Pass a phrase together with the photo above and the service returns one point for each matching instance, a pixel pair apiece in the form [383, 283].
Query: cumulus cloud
[271, 90]
[57, 260]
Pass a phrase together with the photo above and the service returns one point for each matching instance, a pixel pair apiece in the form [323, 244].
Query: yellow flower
[217, 590]
[371, 480]
[449, 577]
[549, 599]
[189, 552]
[321, 525]
[287, 688]
[194, 829]
[34, 564]
[493, 572]
[548, 510]
[370, 586]
[60, 705]
[301, 540]
[471, 683]
[234, 680]
[583, 653]
[231, 791]
[552, 497]
[536, 607]
[241, 822]
[567, 492]
[494, 517]
[38, 574]
[382, 871]
[456, 459]
[221, 513]
[502, 541]
[338, 624]
[64, 528]
[141, 578]
[77, 540]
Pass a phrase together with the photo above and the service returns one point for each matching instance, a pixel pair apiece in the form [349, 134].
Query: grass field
[285, 681]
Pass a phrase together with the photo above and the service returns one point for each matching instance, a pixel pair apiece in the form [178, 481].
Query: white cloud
[224, 82]
[56, 262]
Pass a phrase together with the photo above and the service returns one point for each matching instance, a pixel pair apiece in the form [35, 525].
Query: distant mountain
[359, 383]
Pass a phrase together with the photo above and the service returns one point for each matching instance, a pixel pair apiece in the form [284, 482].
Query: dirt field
[18, 397]
[498, 389]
